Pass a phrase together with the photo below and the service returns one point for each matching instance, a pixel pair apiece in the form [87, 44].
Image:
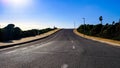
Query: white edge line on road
[24, 48]
[11, 52]
[32, 46]
[64, 66]
[43, 45]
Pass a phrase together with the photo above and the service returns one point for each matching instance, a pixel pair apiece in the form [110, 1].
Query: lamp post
[84, 25]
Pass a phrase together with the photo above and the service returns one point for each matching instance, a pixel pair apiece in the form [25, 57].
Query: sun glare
[16, 3]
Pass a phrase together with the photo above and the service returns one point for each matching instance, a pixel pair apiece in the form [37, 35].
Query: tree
[1, 35]
[17, 33]
[96, 30]
[55, 27]
[109, 32]
[8, 32]
[81, 28]
[113, 22]
[100, 19]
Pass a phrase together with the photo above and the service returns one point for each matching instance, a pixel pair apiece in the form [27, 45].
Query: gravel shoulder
[28, 39]
[103, 40]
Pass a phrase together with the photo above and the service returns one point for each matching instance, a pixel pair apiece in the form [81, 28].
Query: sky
[39, 14]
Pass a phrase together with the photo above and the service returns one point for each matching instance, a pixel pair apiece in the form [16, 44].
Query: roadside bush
[111, 31]
[10, 32]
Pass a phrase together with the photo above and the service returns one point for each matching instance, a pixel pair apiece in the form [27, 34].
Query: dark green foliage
[111, 31]
[1, 34]
[17, 32]
[101, 18]
[10, 32]
[35, 32]
[96, 29]
[81, 29]
[29, 33]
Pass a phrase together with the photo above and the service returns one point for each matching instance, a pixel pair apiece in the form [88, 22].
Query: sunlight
[16, 3]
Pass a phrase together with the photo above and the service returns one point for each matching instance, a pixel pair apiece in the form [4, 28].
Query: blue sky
[61, 13]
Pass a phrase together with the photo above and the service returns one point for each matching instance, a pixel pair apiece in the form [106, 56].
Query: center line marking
[73, 47]
[72, 41]
[64, 66]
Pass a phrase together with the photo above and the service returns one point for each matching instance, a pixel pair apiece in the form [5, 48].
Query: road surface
[64, 49]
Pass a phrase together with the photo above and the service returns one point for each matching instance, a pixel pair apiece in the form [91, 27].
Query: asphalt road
[64, 49]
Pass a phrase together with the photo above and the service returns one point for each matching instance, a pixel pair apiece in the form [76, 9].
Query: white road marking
[32, 46]
[43, 45]
[72, 41]
[11, 52]
[73, 47]
[64, 66]
[24, 48]
[41, 53]
[37, 47]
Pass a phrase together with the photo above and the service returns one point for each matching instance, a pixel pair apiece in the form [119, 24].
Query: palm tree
[101, 18]
[113, 22]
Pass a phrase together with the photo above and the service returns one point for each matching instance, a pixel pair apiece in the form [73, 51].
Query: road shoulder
[103, 40]
[27, 39]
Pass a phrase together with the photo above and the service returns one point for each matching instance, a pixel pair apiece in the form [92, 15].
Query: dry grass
[103, 40]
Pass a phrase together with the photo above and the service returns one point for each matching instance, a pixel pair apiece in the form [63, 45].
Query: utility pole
[84, 25]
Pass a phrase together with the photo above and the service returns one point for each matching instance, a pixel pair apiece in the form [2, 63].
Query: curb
[98, 39]
[11, 45]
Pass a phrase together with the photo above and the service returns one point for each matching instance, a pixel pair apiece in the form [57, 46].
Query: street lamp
[84, 25]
